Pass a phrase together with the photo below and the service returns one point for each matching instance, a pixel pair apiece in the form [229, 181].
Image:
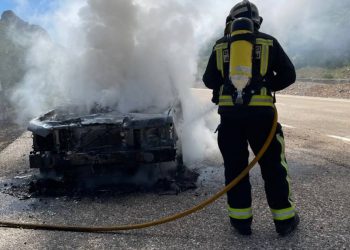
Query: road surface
[317, 134]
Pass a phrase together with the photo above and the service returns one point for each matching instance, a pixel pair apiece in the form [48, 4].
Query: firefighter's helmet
[248, 10]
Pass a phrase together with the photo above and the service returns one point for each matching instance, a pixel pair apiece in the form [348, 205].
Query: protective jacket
[272, 71]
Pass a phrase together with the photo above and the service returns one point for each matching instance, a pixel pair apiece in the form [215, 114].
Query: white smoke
[142, 55]
[129, 55]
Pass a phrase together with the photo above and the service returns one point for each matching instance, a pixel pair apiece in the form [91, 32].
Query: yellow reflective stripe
[221, 46]
[261, 104]
[226, 101]
[265, 45]
[262, 97]
[240, 214]
[283, 214]
[262, 100]
[257, 100]
[264, 60]
[266, 42]
[219, 56]
[219, 61]
[226, 97]
[240, 32]
[285, 165]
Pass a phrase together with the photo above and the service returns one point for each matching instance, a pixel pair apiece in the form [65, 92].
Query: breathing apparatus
[243, 19]
[241, 55]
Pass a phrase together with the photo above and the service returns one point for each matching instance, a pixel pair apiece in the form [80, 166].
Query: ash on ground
[30, 185]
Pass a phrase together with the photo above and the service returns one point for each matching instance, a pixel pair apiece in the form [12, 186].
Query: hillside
[16, 37]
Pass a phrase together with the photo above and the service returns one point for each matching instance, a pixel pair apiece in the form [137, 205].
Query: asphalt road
[318, 151]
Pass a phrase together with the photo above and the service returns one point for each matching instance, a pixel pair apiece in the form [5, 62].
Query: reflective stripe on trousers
[240, 213]
[283, 214]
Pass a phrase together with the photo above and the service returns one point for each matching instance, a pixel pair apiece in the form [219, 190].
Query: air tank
[241, 55]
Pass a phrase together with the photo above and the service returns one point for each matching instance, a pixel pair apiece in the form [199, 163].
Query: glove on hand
[216, 96]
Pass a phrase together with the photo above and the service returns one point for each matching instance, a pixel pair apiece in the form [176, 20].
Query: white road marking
[339, 138]
[287, 126]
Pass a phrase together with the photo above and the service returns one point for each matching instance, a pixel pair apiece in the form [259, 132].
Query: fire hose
[36, 226]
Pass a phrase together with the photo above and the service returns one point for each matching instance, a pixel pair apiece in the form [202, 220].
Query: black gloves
[216, 96]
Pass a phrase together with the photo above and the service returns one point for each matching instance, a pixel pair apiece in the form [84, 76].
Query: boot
[283, 228]
[243, 227]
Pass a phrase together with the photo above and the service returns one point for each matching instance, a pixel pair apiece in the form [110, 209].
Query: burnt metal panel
[67, 137]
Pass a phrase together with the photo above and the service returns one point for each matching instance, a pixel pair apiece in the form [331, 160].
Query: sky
[27, 8]
[33, 11]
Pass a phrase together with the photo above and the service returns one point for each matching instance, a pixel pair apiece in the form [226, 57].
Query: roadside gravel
[341, 90]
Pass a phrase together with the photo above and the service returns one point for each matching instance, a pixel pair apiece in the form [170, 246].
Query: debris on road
[33, 186]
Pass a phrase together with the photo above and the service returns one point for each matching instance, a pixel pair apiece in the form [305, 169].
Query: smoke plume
[142, 55]
[133, 56]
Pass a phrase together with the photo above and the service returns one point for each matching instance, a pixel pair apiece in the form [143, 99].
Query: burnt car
[66, 139]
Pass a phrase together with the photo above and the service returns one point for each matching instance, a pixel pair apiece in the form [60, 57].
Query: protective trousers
[252, 125]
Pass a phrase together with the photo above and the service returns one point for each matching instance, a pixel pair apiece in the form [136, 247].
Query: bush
[328, 76]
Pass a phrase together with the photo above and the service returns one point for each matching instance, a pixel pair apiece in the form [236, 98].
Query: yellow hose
[157, 222]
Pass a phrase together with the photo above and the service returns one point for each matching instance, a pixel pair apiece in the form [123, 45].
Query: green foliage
[327, 76]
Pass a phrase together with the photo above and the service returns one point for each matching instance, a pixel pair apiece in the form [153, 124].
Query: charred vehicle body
[66, 141]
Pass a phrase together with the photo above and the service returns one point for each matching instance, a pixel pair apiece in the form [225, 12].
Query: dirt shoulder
[341, 90]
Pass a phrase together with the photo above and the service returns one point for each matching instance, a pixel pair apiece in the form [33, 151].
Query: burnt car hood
[72, 117]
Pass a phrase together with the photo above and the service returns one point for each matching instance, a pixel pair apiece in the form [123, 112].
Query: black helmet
[242, 23]
[248, 10]
[228, 26]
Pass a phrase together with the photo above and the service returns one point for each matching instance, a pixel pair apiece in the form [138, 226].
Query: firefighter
[244, 71]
